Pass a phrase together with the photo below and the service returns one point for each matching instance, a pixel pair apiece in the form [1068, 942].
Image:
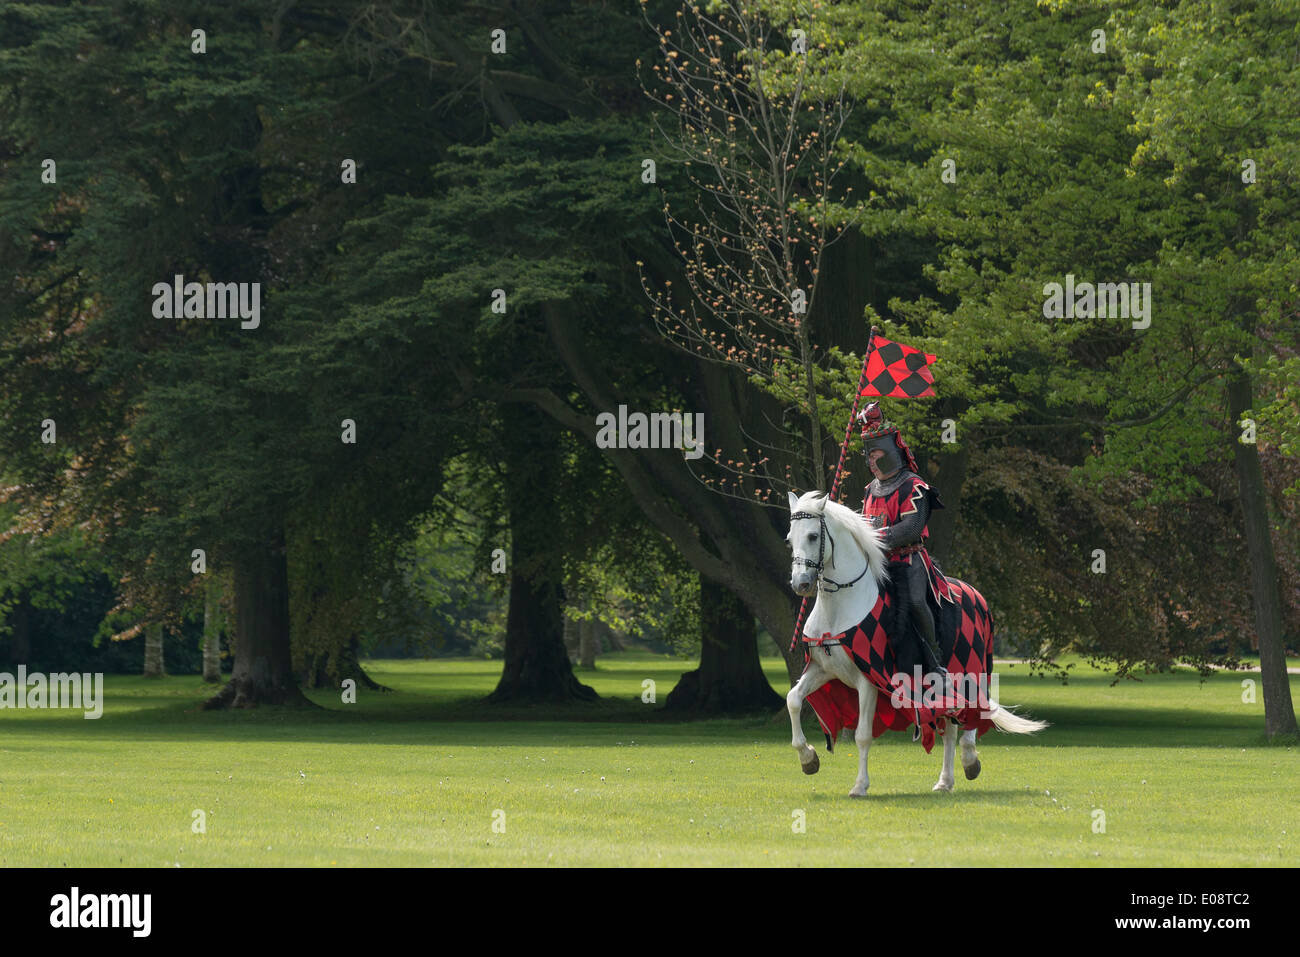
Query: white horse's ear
[794, 500]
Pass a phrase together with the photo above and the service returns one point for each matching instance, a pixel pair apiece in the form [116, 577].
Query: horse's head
[814, 522]
[811, 547]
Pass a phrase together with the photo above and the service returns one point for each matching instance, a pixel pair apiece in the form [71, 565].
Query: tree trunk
[317, 672]
[572, 638]
[20, 634]
[212, 631]
[588, 644]
[617, 640]
[748, 555]
[263, 671]
[730, 679]
[947, 475]
[537, 665]
[1279, 713]
[747, 535]
[153, 652]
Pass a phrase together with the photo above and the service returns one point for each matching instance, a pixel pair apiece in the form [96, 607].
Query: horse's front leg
[862, 736]
[813, 677]
[950, 733]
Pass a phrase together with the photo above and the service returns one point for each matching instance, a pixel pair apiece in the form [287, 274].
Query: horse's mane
[841, 518]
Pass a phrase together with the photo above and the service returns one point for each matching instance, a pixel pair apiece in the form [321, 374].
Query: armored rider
[898, 504]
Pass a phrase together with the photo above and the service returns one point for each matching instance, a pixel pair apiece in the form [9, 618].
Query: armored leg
[917, 586]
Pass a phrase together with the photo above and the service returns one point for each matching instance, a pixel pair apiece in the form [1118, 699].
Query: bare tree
[754, 121]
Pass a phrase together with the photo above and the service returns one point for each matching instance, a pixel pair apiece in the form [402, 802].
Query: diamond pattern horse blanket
[965, 634]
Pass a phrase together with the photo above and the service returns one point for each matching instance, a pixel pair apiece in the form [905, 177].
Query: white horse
[837, 554]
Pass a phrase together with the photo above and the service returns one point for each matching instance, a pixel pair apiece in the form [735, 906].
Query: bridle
[824, 583]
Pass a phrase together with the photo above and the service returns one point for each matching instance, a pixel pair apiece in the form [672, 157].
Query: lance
[839, 468]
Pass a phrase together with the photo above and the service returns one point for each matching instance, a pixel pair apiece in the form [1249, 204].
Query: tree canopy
[470, 233]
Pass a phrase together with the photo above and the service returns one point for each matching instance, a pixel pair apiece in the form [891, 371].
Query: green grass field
[417, 777]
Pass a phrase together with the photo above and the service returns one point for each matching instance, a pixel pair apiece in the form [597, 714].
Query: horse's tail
[1002, 718]
[1005, 720]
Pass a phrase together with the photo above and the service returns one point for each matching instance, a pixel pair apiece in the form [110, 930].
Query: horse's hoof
[813, 766]
[857, 794]
[972, 770]
[942, 787]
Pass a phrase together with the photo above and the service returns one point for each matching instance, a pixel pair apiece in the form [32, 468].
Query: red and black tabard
[890, 502]
[886, 509]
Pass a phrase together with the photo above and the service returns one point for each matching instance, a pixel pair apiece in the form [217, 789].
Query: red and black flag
[897, 370]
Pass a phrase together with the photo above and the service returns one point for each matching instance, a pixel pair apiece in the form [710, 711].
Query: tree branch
[658, 509]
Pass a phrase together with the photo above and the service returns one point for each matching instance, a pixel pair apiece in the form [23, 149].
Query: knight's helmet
[880, 434]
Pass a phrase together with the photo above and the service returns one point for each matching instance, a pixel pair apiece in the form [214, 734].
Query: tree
[182, 433]
[977, 137]
[759, 149]
[171, 186]
[1194, 83]
[725, 682]
[57, 576]
[507, 203]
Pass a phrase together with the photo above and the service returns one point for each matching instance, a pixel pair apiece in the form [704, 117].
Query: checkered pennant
[898, 370]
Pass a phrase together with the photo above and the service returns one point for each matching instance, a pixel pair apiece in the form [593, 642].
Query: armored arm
[907, 530]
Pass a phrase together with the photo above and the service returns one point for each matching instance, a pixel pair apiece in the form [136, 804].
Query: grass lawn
[1179, 768]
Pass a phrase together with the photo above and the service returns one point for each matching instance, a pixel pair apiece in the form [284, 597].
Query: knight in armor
[898, 504]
